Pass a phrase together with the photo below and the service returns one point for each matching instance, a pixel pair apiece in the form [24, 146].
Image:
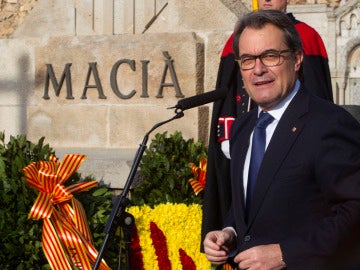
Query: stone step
[112, 166]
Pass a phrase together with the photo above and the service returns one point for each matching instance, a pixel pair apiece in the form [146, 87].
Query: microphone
[198, 100]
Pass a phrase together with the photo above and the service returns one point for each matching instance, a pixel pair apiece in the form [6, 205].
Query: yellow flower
[181, 225]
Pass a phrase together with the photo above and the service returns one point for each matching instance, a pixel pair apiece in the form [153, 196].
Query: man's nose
[259, 68]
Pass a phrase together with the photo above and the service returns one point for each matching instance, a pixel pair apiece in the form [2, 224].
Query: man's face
[268, 86]
[273, 4]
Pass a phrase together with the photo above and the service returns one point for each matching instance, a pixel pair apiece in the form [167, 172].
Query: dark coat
[307, 194]
[217, 198]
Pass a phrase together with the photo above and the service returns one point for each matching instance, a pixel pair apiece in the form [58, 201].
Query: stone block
[49, 18]
[114, 121]
[214, 47]
[68, 125]
[16, 84]
[12, 120]
[111, 166]
[189, 15]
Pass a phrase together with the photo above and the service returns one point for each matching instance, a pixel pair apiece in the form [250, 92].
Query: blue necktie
[257, 154]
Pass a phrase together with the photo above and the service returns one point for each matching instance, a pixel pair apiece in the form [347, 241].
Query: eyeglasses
[269, 58]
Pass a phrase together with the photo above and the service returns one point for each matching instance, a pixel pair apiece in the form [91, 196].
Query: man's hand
[217, 245]
[265, 257]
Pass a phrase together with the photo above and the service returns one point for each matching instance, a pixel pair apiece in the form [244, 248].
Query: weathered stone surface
[114, 122]
[16, 84]
[96, 35]
[48, 18]
[111, 166]
[214, 47]
[180, 16]
[12, 14]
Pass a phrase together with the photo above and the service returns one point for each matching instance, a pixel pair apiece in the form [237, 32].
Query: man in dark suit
[217, 197]
[303, 208]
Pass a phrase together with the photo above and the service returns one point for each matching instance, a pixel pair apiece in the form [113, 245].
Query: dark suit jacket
[216, 194]
[307, 195]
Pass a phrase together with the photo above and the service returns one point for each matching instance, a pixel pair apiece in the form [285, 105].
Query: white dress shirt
[276, 112]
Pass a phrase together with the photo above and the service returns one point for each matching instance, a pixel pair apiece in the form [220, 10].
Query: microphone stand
[118, 216]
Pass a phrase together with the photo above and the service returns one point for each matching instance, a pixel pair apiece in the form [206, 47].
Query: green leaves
[164, 178]
[165, 171]
[20, 245]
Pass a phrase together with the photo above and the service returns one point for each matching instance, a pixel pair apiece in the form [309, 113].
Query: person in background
[217, 196]
[300, 208]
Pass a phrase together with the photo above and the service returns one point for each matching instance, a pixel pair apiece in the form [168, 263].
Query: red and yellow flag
[198, 183]
[66, 238]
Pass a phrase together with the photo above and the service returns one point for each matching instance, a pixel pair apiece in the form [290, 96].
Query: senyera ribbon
[66, 237]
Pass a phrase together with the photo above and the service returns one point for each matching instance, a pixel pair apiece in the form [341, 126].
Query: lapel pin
[293, 129]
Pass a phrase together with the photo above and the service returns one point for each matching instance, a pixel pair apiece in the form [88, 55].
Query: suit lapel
[285, 134]
[238, 154]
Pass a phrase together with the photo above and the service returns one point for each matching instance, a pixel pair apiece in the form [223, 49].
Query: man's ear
[299, 57]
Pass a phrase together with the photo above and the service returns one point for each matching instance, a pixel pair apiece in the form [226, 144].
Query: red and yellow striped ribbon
[228, 267]
[66, 237]
[198, 183]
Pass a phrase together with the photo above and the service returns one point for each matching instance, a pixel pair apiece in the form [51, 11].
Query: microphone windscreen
[198, 100]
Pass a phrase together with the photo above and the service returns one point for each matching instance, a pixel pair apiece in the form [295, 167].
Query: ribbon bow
[66, 238]
[198, 183]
